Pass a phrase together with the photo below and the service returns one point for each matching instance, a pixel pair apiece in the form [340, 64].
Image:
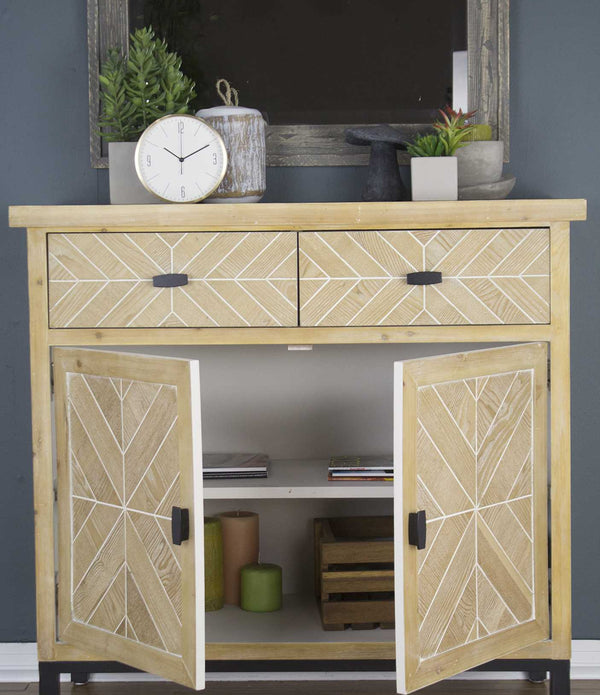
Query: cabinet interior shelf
[297, 621]
[296, 479]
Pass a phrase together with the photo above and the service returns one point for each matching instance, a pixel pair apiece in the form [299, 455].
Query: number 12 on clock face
[180, 158]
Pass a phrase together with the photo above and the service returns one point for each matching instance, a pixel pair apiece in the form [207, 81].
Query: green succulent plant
[430, 145]
[138, 88]
[481, 131]
[449, 135]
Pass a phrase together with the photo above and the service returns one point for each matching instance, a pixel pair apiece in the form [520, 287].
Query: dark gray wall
[44, 151]
[555, 63]
[43, 159]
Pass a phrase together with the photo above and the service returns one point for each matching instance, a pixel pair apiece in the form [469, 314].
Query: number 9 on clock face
[180, 158]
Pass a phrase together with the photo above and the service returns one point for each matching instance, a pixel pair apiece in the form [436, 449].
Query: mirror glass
[320, 61]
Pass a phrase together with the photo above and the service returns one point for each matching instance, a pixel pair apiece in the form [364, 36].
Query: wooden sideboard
[471, 441]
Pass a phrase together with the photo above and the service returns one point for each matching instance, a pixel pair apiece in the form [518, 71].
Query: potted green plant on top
[433, 164]
[480, 164]
[135, 90]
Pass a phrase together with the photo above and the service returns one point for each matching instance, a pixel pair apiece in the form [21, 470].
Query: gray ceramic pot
[125, 187]
[480, 162]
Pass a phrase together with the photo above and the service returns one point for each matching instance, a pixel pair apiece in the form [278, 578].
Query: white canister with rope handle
[243, 131]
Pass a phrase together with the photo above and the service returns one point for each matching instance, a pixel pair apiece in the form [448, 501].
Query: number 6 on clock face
[180, 158]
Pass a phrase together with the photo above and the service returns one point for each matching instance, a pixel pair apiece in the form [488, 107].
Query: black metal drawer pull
[180, 525]
[170, 280]
[428, 277]
[417, 529]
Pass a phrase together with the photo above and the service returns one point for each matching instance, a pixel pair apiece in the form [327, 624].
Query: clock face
[180, 158]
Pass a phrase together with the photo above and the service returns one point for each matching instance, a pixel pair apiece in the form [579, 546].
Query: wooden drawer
[489, 276]
[234, 279]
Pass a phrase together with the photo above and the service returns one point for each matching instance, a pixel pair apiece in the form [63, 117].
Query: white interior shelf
[297, 621]
[289, 479]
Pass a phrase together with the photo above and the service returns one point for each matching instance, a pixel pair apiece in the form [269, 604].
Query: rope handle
[229, 95]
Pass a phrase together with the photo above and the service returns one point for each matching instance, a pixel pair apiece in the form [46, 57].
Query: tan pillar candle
[240, 547]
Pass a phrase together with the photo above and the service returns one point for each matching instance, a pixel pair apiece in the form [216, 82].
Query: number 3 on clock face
[181, 159]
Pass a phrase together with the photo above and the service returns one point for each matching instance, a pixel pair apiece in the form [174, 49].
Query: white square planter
[434, 178]
[125, 186]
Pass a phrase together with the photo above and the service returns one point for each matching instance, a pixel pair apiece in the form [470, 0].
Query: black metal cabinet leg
[537, 676]
[80, 678]
[49, 678]
[560, 677]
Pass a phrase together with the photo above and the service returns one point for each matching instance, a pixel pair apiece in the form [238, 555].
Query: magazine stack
[361, 468]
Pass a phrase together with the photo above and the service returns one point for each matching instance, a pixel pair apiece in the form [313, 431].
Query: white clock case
[139, 143]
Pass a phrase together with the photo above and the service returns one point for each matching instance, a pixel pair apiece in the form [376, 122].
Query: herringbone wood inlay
[474, 461]
[472, 454]
[128, 443]
[235, 279]
[126, 575]
[495, 276]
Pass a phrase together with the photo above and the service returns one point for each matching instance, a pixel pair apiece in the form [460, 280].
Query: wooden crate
[354, 571]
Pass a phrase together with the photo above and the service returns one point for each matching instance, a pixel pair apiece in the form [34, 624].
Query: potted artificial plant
[433, 164]
[135, 90]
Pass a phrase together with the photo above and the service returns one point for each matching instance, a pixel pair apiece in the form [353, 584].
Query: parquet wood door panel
[128, 450]
[489, 276]
[235, 279]
[470, 449]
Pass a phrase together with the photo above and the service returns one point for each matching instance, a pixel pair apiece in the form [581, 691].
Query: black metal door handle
[417, 529]
[180, 525]
[170, 280]
[427, 277]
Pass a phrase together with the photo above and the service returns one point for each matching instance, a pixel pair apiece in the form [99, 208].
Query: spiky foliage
[427, 146]
[137, 89]
[449, 135]
[453, 129]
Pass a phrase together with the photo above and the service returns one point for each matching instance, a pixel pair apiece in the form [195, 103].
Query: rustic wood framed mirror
[318, 67]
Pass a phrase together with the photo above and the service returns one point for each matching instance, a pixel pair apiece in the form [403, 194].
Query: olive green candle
[260, 587]
[214, 586]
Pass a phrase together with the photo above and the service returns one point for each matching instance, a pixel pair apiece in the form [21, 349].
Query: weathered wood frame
[554, 214]
[324, 145]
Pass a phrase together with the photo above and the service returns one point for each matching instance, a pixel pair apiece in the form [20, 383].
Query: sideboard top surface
[298, 216]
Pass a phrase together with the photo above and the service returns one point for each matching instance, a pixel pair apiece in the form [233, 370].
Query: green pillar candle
[260, 587]
[214, 587]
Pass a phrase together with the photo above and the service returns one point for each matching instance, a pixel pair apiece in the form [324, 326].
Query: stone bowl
[488, 191]
[480, 162]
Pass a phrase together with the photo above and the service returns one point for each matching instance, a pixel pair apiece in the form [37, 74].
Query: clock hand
[173, 153]
[194, 152]
[181, 152]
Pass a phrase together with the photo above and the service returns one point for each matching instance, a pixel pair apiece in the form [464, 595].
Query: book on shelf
[362, 479]
[237, 476]
[361, 468]
[223, 466]
[378, 472]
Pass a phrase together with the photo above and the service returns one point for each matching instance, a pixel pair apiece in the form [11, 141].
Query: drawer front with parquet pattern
[487, 276]
[234, 279]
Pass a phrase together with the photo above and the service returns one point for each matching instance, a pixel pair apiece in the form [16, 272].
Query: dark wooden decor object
[354, 571]
[383, 176]
[323, 145]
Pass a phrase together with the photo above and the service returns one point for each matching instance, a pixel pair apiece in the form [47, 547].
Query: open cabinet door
[129, 466]
[470, 490]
